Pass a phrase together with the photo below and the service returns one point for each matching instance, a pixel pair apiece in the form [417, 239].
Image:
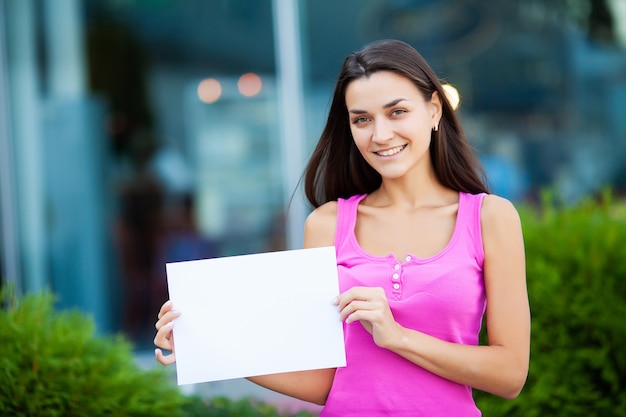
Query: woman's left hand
[369, 306]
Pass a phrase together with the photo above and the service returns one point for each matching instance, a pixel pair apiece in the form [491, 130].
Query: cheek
[360, 138]
[419, 135]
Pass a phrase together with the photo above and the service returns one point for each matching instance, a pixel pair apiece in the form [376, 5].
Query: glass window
[140, 132]
[123, 161]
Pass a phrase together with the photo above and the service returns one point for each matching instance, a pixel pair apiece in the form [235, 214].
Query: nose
[382, 131]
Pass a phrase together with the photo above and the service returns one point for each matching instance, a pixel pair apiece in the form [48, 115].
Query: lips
[392, 151]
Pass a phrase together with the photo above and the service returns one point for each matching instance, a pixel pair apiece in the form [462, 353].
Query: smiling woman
[423, 252]
[391, 123]
[387, 65]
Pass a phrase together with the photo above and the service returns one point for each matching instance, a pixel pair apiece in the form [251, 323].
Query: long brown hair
[338, 170]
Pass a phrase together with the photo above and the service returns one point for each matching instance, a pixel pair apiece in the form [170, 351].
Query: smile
[392, 151]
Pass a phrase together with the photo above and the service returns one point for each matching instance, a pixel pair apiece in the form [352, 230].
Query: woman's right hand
[164, 338]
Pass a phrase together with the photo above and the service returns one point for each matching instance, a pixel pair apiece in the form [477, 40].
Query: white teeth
[390, 152]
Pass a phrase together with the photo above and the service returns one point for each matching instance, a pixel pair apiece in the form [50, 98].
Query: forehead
[380, 87]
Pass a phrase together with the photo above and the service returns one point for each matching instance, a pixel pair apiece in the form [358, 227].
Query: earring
[436, 126]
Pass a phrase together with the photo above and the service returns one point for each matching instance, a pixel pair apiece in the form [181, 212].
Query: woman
[423, 251]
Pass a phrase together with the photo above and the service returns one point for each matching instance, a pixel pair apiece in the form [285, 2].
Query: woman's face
[391, 123]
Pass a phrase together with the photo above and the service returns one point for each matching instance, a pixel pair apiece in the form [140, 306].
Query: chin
[392, 175]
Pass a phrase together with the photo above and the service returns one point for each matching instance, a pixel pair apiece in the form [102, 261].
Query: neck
[411, 193]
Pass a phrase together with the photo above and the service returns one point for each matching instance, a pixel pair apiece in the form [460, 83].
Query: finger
[164, 359]
[349, 296]
[167, 306]
[164, 337]
[359, 293]
[363, 315]
[353, 317]
[166, 319]
[352, 307]
[165, 332]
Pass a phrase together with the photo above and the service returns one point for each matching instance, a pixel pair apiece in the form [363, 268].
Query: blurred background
[139, 132]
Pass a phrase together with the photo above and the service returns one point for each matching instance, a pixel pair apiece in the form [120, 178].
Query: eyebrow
[386, 106]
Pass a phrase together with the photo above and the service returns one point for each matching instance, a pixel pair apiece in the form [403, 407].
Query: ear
[436, 108]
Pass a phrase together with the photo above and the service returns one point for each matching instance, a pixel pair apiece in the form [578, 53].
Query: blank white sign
[256, 314]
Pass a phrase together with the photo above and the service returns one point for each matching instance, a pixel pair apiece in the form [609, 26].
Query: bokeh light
[249, 84]
[209, 90]
[453, 95]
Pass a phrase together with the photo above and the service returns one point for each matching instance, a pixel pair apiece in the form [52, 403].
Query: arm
[499, 368]
[314, 385]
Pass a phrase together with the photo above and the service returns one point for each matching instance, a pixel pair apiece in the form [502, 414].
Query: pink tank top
[443, 296]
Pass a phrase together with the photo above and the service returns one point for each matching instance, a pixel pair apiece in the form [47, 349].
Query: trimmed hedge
[576, 271]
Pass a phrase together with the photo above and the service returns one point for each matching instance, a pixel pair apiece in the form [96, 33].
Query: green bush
[576, 270]
[52, 364]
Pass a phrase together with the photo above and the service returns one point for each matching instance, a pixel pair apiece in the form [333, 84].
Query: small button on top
[408, 258]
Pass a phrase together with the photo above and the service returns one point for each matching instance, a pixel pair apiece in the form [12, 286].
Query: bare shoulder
[501, 226]
[498, 210]
[320, 225]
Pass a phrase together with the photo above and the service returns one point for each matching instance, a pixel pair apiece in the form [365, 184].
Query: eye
[359, 120]
[398, 112]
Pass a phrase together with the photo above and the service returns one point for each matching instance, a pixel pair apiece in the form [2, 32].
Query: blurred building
[137, 132]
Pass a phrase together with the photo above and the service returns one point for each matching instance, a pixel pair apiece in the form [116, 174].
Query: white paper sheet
[256, 314]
